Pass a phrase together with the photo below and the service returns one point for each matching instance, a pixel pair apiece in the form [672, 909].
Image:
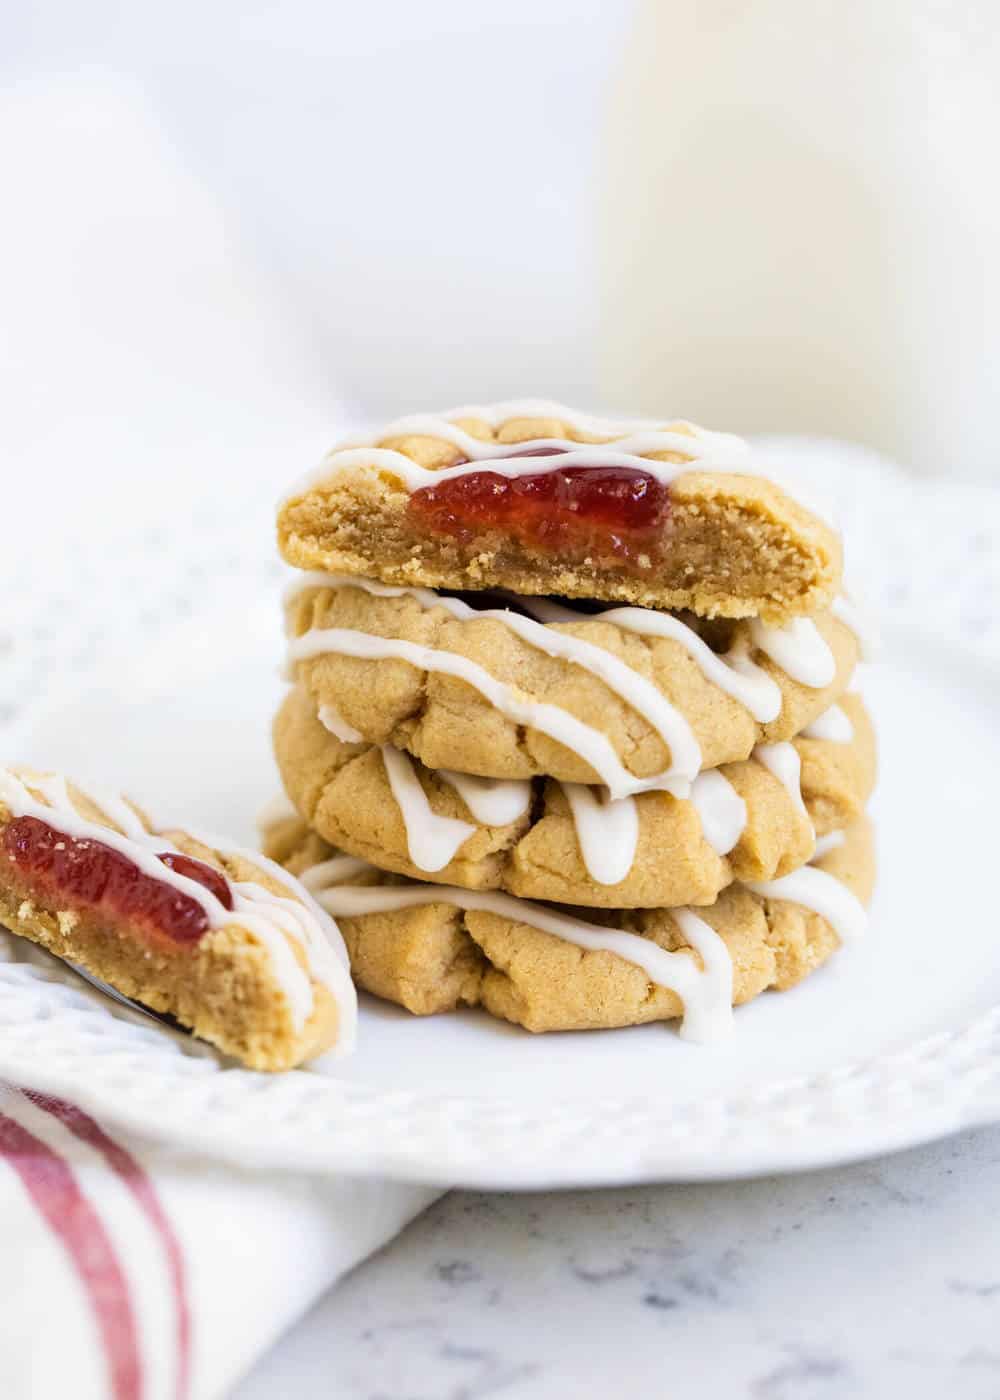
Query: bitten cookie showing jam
[220, 938]
[434, 948]
[538, 499]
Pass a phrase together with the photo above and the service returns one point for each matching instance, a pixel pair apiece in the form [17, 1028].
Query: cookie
[564, 842]
[221, 939]
[516, 688]
[432, 948]
[536, 498]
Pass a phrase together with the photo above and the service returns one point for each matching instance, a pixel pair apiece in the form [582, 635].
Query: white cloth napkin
[134, 1274]
[144, 351]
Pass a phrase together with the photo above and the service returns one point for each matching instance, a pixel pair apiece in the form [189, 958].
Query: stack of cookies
[572, 734]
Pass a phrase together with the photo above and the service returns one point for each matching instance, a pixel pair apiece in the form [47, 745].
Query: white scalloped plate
[160, 676]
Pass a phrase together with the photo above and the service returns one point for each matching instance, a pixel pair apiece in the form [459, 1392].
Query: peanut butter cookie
[537, 498]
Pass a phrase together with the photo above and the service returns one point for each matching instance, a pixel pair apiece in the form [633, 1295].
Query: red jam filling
[603, 512]
[85, 874]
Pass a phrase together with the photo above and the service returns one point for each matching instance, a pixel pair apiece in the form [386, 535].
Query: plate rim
[202, 1121]
[54, 1039]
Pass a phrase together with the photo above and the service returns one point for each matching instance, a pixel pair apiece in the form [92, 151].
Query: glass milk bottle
[801, 222]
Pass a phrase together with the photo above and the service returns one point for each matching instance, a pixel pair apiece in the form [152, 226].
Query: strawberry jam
[87, 875]
[610, 512]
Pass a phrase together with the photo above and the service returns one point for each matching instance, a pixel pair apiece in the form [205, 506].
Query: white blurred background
[229, 228]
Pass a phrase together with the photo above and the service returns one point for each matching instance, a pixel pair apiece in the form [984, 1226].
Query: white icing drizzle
[722, 811]
[832, 841]
[711, 1017]
[269, 918]
[592, 746]
[734, 673]
[332, 871]
[433, 840]
[821, 892]
[629, 440]
[494, 414]
[607, 835]
[639, 693]
[832, 726]
[330, 718]
[738, 659]
[607, 831]
[492, 801]
[752, 687]
[798, 649]
[860, 624]
[706, 992]
[784, 762]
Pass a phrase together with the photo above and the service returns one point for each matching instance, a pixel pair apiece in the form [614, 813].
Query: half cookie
[754, 820]
[538, 499]
[220, 938]
[432, 948]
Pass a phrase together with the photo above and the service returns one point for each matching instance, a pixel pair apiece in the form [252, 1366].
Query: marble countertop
[876, 1280]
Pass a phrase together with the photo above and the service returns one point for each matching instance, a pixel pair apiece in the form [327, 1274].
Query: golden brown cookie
[222, 940]
[437, 955]
[752, 820]
[624, 698]
[538, 499]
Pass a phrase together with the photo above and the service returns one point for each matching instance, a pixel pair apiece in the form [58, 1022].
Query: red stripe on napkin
[52, 1187]
[132, 1174]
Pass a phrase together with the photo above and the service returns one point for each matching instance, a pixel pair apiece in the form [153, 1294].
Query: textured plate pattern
[918, 554]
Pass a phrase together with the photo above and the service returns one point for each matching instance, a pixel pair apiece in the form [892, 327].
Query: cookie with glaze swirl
[476, 685]
[437, 956]
[669, 851]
